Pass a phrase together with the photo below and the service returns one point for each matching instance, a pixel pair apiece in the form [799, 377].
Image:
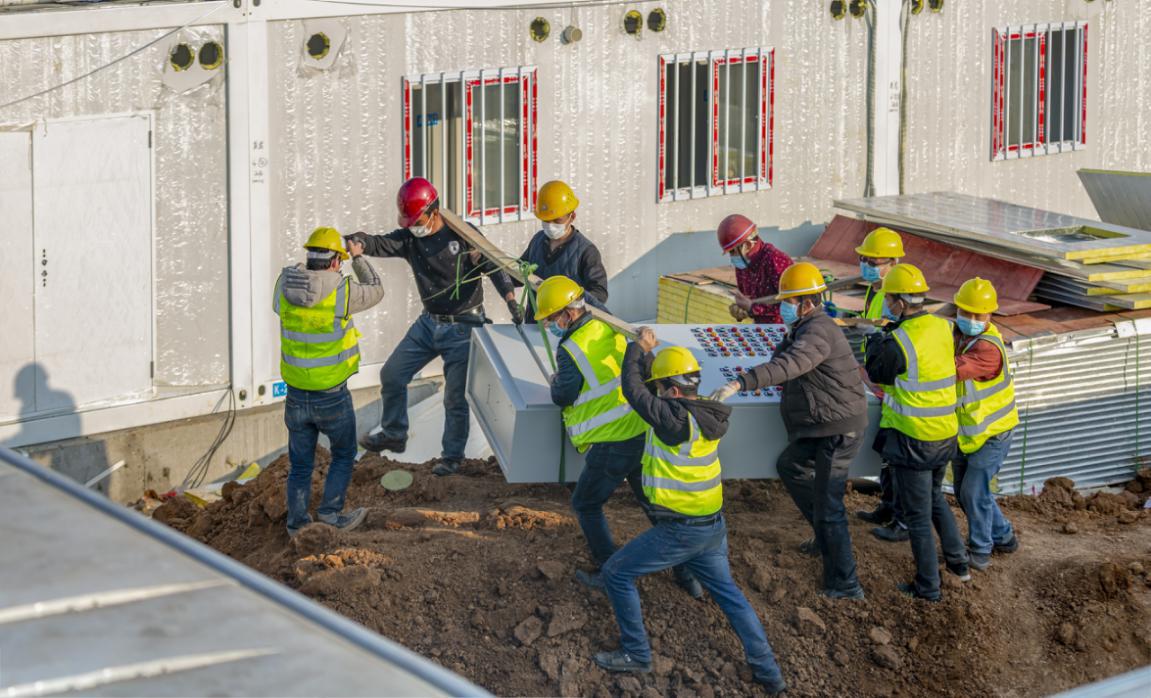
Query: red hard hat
[734, 230]
[414, 197]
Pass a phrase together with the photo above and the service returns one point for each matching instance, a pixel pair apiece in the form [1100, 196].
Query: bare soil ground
[478, 575]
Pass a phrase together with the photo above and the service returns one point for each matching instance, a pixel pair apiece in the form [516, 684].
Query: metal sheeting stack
[1085, 407]
[1089, 264]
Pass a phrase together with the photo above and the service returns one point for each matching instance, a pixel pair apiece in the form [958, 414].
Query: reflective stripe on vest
[686, 479]
[874, 309]
[922, 402]
[318, 344]
[986, 408]
[600, 413]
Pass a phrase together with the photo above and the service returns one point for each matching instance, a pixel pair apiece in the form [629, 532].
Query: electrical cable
[199, 470]
[121, 59]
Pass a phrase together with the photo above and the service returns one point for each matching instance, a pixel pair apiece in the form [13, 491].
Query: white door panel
[17, 274]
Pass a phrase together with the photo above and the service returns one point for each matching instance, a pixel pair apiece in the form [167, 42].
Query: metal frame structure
[716, 87]
[1007, 42]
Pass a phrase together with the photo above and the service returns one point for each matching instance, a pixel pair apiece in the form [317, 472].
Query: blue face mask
[868, 272]
[738, 261]
[789, 312]
[969, 327]
[556, 330]
[888, 315]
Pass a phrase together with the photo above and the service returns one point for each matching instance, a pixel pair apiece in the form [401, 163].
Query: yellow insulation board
[681, 302]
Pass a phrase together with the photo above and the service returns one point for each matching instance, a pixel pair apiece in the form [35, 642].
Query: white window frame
[476, 209]
[764, 175]
[1003, 40]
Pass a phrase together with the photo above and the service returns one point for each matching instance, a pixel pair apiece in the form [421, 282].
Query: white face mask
[555, 231]
[420, 231]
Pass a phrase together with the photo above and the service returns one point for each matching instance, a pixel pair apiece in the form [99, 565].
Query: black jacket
[439, 262]
[577, 258]
[884, 362]
[668, 417]
[823, 393]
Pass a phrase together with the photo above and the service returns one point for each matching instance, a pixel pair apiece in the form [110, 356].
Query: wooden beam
[474, 237]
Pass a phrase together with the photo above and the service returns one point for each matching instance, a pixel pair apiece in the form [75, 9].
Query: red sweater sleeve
[982, 362]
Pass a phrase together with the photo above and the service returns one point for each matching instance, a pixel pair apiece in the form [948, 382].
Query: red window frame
[529, 143]
[764, 177]
[1000, 148]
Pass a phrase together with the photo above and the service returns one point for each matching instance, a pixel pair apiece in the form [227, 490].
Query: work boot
[980, 561]
[960, 570]
[692, 586]
[591, 580]
[772, 683]
[809, 547]
[446, 467]
[1008, 547]
[345, 522]
[880, 515]
[909, 590]
[377, 442]
[620, 661]
[892, 533]
[853, 594]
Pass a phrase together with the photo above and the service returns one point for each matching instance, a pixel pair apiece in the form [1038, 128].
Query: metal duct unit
[1084, 406]
[509, 395]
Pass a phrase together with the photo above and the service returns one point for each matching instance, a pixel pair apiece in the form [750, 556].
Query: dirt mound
[478, 575]
[1060, 502]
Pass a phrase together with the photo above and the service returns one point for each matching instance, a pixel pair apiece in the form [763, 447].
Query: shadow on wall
[633, 291]
[79, 459]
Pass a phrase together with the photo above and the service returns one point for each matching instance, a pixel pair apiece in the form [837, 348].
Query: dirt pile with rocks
[478, 575]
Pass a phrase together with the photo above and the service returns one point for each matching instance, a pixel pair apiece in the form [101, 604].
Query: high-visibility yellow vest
[685, 478]
[601, 413]
[986, 408]
[922, 402]
[318, 344]
[874, 299]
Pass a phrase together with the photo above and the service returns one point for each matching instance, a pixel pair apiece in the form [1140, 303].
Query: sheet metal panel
[1121, 198]
[1023, 228]
[510, 398]
[125, 606]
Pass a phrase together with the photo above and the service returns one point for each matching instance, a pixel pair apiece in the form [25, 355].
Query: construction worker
[682, 482]
[598, 420]
[914, 364]
[318, 353]
[758, 265]
[560, 249]
[987, 420]
[824, 409]
[447, 275]
[878, 253]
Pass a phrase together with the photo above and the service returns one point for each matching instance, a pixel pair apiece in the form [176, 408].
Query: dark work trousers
[888, 500]
[921, 494]
[606, 465]
[814, 471]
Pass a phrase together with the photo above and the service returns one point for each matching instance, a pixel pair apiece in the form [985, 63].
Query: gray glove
[725, 391]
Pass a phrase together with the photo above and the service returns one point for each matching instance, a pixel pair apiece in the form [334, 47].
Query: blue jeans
[703, 550]
[921, 494]
[814, 471]
[986, 525]
[425, 340]
[606, 465]
[308, 414]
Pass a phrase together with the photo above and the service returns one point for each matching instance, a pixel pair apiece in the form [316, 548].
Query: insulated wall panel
[17, 386]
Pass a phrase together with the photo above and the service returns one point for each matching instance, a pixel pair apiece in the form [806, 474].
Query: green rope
[528, 304]
[687, 302]
[1138, 366]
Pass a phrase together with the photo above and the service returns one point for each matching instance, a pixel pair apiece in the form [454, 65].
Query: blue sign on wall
[279, 389]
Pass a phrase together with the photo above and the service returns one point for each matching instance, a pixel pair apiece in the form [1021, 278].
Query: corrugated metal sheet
[1085, 403]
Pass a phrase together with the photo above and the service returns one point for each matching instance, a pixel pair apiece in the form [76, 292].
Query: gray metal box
[509, 395]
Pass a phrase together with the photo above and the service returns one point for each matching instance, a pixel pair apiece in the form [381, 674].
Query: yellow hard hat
[327, 239]
[906, 279]
[800, 279]
[555, 294]
[977, 296]
[673, 361]
[881, 243]
[556, 200]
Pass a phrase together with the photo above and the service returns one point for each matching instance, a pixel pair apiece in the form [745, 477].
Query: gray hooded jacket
[306, 288]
